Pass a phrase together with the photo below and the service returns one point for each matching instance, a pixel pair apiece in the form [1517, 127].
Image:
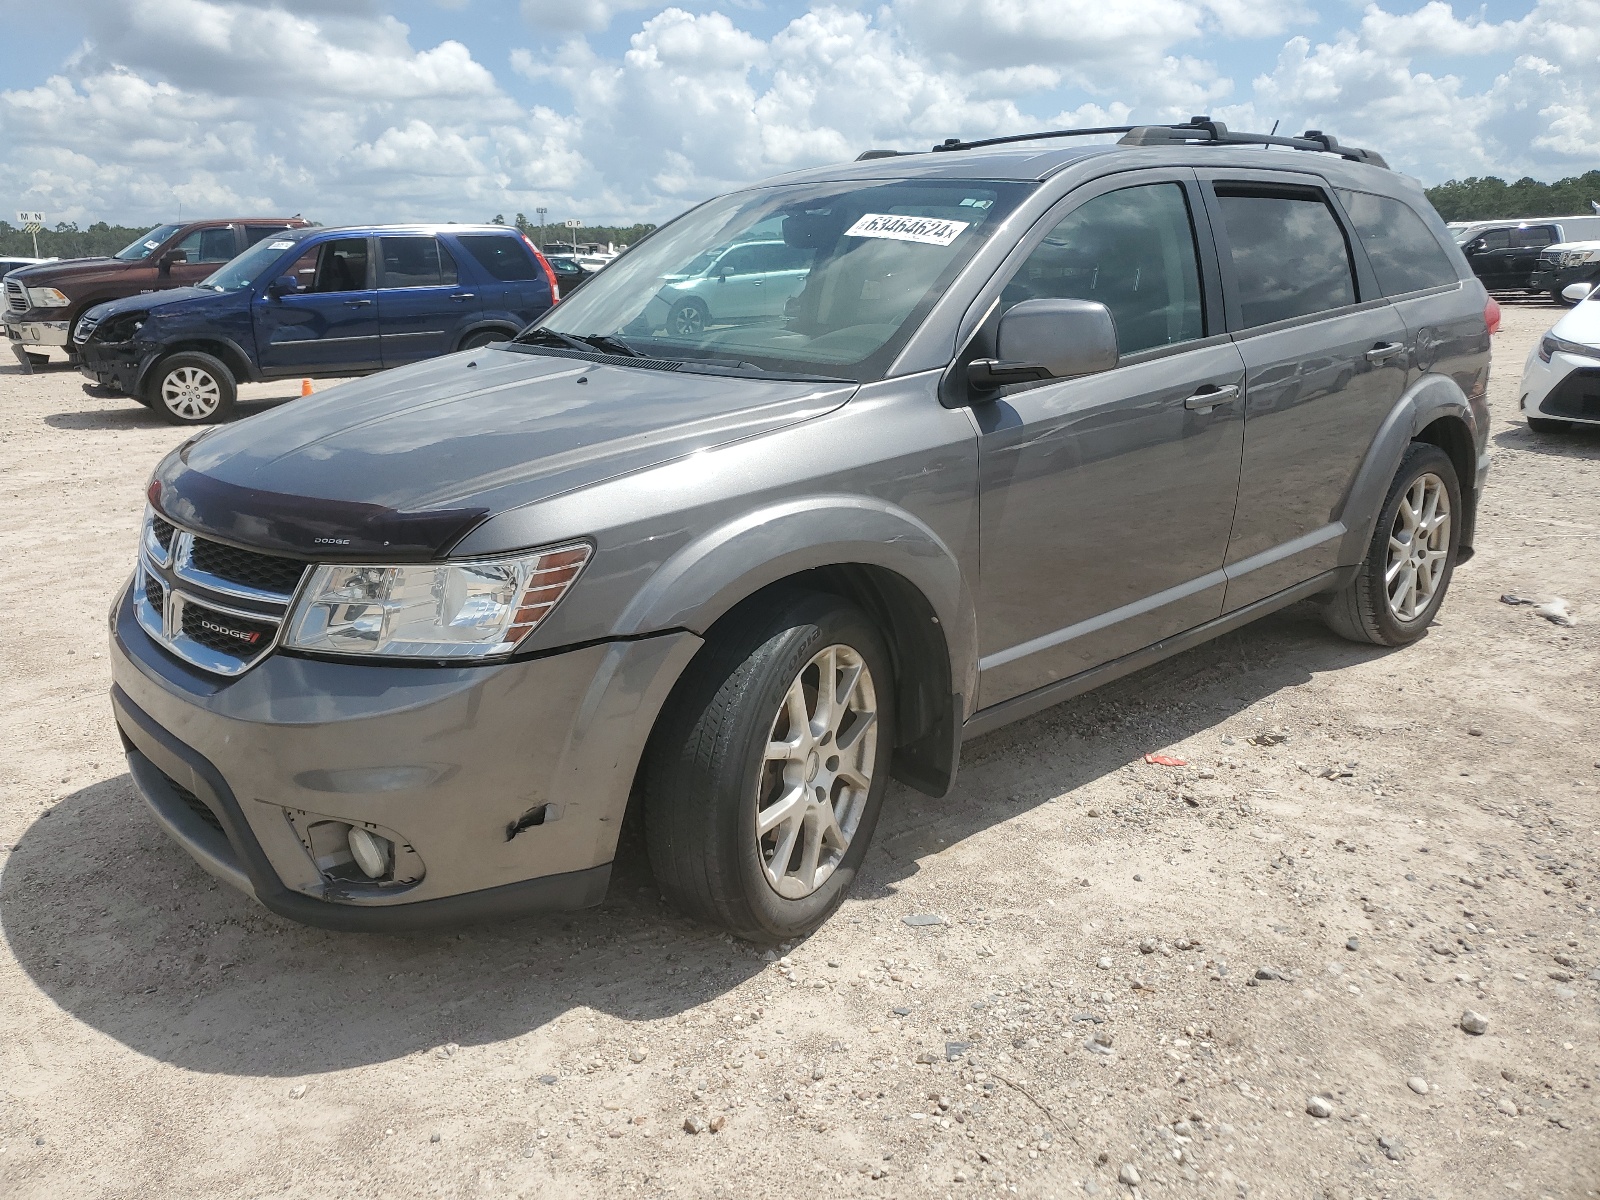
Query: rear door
[1522, 257]
[1325, 362]
[423, 309]
[331, 324]
[511, 283]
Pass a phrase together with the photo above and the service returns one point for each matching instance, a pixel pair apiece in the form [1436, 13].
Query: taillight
[549, 274]
[1491, 315]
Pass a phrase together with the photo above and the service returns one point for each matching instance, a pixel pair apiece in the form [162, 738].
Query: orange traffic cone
[305, 387]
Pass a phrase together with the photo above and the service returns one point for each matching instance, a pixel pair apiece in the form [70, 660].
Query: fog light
[371, 852]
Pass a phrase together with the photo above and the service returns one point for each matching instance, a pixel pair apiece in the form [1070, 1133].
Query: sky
[617, 111]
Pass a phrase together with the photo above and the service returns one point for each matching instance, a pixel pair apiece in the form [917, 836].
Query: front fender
[1424, 402]
[708, 576]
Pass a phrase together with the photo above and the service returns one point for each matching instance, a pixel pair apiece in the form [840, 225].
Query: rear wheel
[766, 774]
[1546, 425]
[485, 337]
[191, 388]
[1403, 578]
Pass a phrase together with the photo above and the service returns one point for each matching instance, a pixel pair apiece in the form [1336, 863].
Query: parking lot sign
[32, 222]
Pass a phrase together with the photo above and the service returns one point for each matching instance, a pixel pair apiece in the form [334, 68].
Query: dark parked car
[1506, 254]
[43, 303]
[1564, 264]
[315, 302]
[1038, 417]
[570, 273]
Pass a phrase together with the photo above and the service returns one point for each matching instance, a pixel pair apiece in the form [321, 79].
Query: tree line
[1492, 199]
[555, 231]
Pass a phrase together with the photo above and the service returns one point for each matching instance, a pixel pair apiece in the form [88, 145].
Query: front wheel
[190, 388]
[688, 318]
[1403, 578]
[764, 778]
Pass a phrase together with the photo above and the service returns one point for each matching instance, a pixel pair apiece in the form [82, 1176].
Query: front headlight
[47, 298]
[1550, 345]
[468, 609]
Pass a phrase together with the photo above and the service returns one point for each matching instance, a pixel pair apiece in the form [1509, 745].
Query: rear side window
[501, 254]
[208, 245]
[410, 262]
[255, 233]
[1132, 250]
[1404, 255]
[1289, 253]
[1532, 237]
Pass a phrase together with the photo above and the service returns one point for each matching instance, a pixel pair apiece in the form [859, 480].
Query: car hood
[151, 301]
[406, 462]
[1581, 325]
[47, 273]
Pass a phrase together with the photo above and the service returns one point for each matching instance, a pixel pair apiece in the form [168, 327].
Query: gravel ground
[1080, 973]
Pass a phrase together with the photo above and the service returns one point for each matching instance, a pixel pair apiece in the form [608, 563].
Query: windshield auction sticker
[932, 231]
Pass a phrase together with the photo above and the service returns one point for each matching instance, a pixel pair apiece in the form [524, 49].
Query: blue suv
[314, 302]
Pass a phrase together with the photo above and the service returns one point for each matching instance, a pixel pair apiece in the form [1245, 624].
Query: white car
[1561, 381]
[741, 283]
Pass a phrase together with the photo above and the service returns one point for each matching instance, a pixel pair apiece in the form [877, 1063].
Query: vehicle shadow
[119, 928]
[130, 414]
[1579, 441]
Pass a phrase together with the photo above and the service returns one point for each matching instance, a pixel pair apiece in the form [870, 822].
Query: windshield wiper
[611, 345]
[551, 338]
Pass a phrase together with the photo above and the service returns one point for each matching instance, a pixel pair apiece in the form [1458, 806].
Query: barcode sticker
[931, 231]
[280, 245]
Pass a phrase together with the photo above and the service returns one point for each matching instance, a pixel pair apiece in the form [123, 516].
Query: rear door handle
[1209, 397]
[1383, 353]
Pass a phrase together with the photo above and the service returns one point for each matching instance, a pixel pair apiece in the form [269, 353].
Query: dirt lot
[1152, 966]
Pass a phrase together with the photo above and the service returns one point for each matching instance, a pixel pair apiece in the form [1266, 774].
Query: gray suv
[400, 654]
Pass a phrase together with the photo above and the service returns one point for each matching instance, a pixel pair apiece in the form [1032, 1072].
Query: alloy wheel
[816, 773]
[191, 393]
[1419, 547]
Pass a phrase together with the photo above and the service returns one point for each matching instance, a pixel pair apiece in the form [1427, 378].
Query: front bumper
[1553, 279]
[449, 758]
[1567, 388]
[117, 366]
[27, 331]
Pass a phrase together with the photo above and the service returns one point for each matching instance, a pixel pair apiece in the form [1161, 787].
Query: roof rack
[1196, 129]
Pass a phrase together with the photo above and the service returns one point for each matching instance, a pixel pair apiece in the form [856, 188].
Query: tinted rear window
[501, 254]
[1289, 253]
[254, 233]
[1404, 255]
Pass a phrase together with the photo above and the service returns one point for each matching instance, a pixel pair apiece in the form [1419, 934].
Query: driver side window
[1132, 250]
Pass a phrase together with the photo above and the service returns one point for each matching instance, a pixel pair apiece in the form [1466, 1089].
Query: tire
[485, 337]
[711, 766]
[191, 388]
[1366, 610]
[1546, 425]
[688, 318]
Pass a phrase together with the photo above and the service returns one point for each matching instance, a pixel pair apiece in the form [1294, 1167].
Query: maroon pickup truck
[43, 303]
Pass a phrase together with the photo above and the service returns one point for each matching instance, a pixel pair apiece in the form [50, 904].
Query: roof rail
[1196, 129]
[867, 155]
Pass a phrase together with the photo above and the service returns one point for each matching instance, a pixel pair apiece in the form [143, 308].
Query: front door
[422, 307]
[331, 323]
[1107, 500]
[1325, 362]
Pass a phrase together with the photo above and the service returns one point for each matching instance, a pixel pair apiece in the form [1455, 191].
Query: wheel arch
[490, 326]
[1433, 410]
[882, 559]
[226, 350]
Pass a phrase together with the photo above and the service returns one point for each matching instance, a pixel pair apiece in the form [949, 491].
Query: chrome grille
[215, 606]
[16, 296]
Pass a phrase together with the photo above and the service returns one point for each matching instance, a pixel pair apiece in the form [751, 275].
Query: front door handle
[357, 303]
[460, 296]
[1383, 353]
[1209, 397]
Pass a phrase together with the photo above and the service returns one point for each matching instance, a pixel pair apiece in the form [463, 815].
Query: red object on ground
[1491, 315]
[1165, 760]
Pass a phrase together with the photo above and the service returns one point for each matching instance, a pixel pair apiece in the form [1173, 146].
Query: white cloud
[336, 109]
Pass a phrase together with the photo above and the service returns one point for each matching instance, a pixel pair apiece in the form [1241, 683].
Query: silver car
[749, 281]
[1033, 417]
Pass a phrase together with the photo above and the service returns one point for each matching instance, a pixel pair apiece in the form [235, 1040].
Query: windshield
[142, 248]
[824, 278]
[239, 273]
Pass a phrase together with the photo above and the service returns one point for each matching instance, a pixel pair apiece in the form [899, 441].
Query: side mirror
[1476, 246]
[171, 257]
[1048, 339]
[1576, 293]
[283, 285]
